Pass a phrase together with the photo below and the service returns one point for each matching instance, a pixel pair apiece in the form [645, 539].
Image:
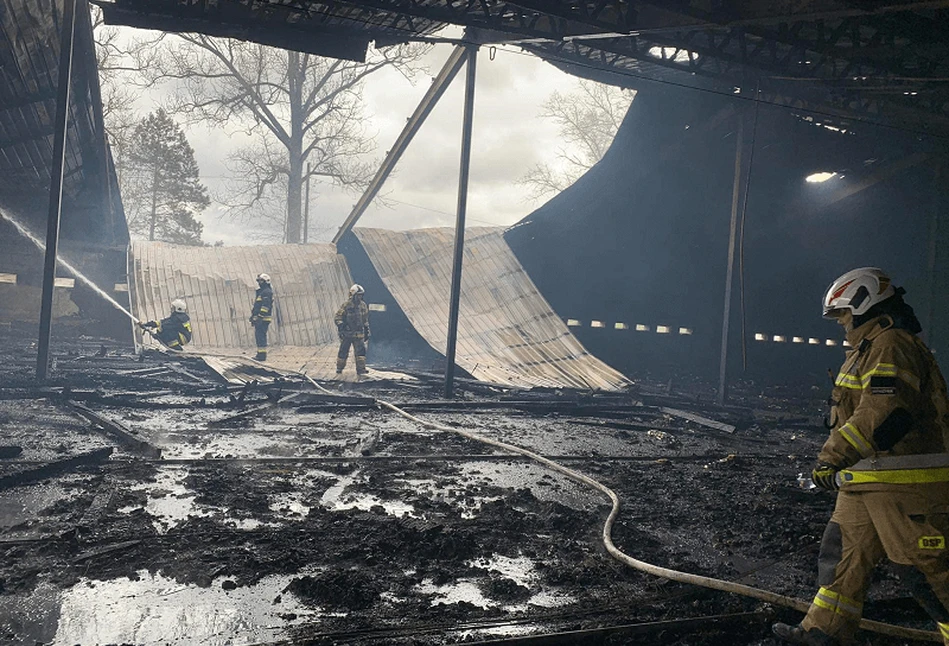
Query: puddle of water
[336, 499]
[244, 445]
[170, 502]
[290, 503]
[468, 504]
[30, 620]
[462, 590]
[155, 610]
[519, 569]
[21, 504]
[514, 475]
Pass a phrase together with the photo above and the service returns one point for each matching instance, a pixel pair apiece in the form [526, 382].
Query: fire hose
[655, 570]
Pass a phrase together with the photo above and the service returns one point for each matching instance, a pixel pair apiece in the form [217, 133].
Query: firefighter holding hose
[887, 456]
[174, 331]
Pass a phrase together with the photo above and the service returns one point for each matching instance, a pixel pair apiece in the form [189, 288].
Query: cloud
[508, 139]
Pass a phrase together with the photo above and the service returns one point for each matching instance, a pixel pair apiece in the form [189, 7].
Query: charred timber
[51, 469]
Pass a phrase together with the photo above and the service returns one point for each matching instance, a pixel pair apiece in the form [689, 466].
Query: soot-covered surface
[310, 521]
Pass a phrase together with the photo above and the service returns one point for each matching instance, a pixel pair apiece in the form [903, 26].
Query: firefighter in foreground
[173, 332]
[887, 456]
[352, 323]
[261, 314]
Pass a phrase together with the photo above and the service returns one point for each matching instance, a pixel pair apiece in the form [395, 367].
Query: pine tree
[161, 191]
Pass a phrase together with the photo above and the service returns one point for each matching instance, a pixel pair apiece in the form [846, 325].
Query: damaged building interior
[596, 426]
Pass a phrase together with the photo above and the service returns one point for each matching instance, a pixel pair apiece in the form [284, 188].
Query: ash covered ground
[278, 514]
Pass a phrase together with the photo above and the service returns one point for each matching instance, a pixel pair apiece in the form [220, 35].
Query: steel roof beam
[439, 84]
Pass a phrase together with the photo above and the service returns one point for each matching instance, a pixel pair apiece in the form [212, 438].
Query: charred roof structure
[643, 238]
[883, 59]
[93, 227]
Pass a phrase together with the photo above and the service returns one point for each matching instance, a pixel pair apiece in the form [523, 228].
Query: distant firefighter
[352, 323]
[888, 458]
[173, 332]
[261, 314]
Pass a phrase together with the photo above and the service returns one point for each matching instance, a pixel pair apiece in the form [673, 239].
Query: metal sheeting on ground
[218, 284]
[507, 332]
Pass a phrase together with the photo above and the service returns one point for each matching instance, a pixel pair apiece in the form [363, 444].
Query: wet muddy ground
[280, 515]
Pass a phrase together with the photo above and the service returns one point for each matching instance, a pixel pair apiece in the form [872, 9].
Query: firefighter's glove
[253, 320]
[367, 335]
[148, 325]
[825, 476]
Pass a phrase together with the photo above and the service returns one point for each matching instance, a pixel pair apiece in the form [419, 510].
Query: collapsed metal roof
[218, 283]
[507, 333]
[886, 60]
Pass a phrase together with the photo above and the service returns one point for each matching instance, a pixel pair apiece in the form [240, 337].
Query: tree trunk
[295, 149]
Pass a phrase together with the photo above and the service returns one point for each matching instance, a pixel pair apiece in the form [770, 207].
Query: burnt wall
[642, 238]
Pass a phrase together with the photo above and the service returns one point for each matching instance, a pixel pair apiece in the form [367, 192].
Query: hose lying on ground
[648, 568]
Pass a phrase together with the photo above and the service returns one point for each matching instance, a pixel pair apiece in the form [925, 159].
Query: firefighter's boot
[361, 367]
[340, 364]
[261, 355]
[797, 635]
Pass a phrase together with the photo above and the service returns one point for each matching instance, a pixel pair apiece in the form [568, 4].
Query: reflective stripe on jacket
[898, 469]
[889, 400]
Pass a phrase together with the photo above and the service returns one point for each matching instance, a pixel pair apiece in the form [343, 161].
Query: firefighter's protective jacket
[352, 320]
[890, 411]
[263, 304]
[174, 331]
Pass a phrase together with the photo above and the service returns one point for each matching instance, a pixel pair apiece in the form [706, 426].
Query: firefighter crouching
[261, 314]
[173, 332]
[352, 323]
[887, 455]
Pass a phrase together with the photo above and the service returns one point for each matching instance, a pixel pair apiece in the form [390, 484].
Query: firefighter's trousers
[910, 526]
[358, 343]
[260, 335]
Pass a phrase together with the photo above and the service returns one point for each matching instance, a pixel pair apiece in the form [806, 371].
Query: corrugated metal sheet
[507, 332]
[218, 283]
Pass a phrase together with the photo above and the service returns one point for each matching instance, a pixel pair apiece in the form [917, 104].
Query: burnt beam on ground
[118, 433]
[50, 469]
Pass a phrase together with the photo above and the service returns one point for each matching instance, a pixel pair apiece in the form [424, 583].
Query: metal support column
[472, 54]
[306, 206]
[730, 273]
[57, 163]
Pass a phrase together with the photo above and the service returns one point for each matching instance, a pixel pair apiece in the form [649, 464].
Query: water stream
[75, 272]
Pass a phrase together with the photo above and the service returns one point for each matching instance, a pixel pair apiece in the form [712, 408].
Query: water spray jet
[26, 233]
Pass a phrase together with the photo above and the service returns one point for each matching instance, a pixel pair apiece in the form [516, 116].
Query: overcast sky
[508, 139]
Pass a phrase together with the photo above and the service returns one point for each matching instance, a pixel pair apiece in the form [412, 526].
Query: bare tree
[588, 120]
[301, 109]
[118, 97]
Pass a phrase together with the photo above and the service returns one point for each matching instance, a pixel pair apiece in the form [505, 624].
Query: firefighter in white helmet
[887, 458]
[261, 314]
[174, 331]
[352, 323]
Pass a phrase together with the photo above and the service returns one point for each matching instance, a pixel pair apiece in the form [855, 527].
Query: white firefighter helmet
[178, 305]
[263, 278]
[356, 289]
[858, 290]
